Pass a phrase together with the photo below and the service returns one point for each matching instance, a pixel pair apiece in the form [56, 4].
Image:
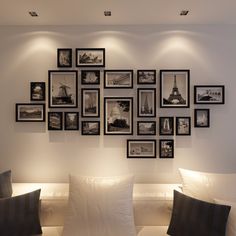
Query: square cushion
[5, 184]
[100, 207]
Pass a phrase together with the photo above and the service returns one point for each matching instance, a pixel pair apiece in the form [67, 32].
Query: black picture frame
[55, 120]
[90, 102]
[71, 121]
[166, 148]
[209, 94]
[62, 88]
[174, 88]
[118, 79]
[183, 125]
[141, 148]
[146, 128]
[90, 77]
[146, 77]
[64, 57]
[201, 118]
[90, 127]
[166, 125]
[90, 57]
[37, 91]
[30, 112]
[146, 105]
[118, 115]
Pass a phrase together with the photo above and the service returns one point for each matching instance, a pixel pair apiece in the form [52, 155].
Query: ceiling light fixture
[107, 13]
[184, 12]
[33, 13]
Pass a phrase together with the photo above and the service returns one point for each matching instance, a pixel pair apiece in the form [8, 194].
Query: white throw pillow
[100, 206]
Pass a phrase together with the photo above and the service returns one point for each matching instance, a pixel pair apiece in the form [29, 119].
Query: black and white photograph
[118, 79]
[146, 77]
[209, 94]
[118, 115]
[90, 57]
[183, 125]
[146, 106]
[37, 91]
[90, 127]
[90, 102]
[166, 148]
[64, 57]
[63, 88]
[146, 127]
[166, 125]
[55, 121]
[202, 118]
[90, 77]
[139, 148]
[71, 121]
[30, 112]
[174, 88]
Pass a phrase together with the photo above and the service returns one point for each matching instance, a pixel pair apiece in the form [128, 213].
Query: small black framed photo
[166, 148]
[90, 57]
[146, 102]
[202, 118]
[30, 112]
[90, 77]
[90, 127]
[71, 121]
[37, 91]
[118, 79]
[90, 102]
[209, 94]
[55, 121]
[141, 148]
[183, 125]
[146, 77]
[174, 88]
[146, 127]
[64, 57]
[166, 125]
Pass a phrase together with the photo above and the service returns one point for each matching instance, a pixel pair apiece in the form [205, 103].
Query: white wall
[35, 155]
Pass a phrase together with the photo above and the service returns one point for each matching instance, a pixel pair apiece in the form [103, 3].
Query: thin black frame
[49, 88]
[61, 120]
[187, 91]
[77, 120]
[173, 148]
[43, 86]
[58, 57]
[138, 131]
[171, 119]
[154, 100]
[209, 86]
[115, 86]
[141, 140]
[195, 118]
[177, 125]
[86, 71]
[90, 121]
[146, 83]
[29, 104]
[91, 49]
[98, 102]
[131, 115]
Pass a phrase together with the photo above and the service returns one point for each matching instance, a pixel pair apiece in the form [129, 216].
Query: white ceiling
[86, 12]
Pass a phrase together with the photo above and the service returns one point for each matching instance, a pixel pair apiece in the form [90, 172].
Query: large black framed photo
[118, 79]
[146, 102]
[64, 57]
[90, 57]
[118, 115]
[71, 120]
[90, 77]
[202, 118]
[146, 127]
[30, 112]
[90, 102]
[63, 88]
[90, 127]
[166, 148]
[141, 148]
[166, 125]
[174, 88]
[209, 94]
[37, 91]
[146, 77]
[183, 126]
[55, 121]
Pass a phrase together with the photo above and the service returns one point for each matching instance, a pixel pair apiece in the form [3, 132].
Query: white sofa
[152, 206]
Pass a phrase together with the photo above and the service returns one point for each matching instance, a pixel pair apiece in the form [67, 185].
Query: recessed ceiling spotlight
[33, 13]
[184, 12]
[107, 13]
